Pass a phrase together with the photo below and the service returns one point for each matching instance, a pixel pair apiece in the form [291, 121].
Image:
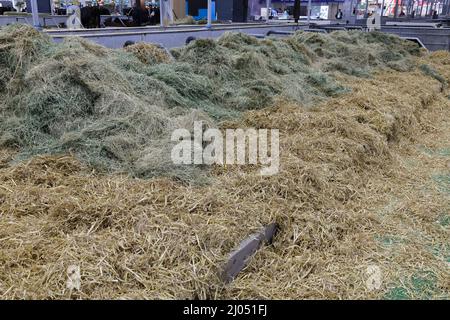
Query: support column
[209, 24]
[309, 11]
[35, 14]
[347, 10]
[162, 13]
[349, 13]
[396, 9]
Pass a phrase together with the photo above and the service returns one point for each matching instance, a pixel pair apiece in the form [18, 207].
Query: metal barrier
[330, 29]
[416, 40]
[413, 24]
[354, 28]
[285, 33]
[46, 20]
[430, 38]
[168, 37]
[315, 30]
[259, 36]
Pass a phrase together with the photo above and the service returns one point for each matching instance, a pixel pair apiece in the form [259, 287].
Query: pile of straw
[149, 53]
[356, 189]
[115, 109]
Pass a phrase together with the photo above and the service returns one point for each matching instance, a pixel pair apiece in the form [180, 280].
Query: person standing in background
[296, 10]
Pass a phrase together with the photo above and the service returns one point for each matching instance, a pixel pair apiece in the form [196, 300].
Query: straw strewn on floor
[363, 181]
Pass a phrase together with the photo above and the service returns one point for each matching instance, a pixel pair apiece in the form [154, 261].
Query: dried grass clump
[83, 98]
[438, 62]
[357, 53]
[250, 73]
[186, 20]
[430, 71]
[355, 189]
[19, 45]
[149, 53]
[116, 109]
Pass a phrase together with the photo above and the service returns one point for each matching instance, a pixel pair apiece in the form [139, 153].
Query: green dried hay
[149, 53]
[116, 109]
[19, 45]
[430, 71]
